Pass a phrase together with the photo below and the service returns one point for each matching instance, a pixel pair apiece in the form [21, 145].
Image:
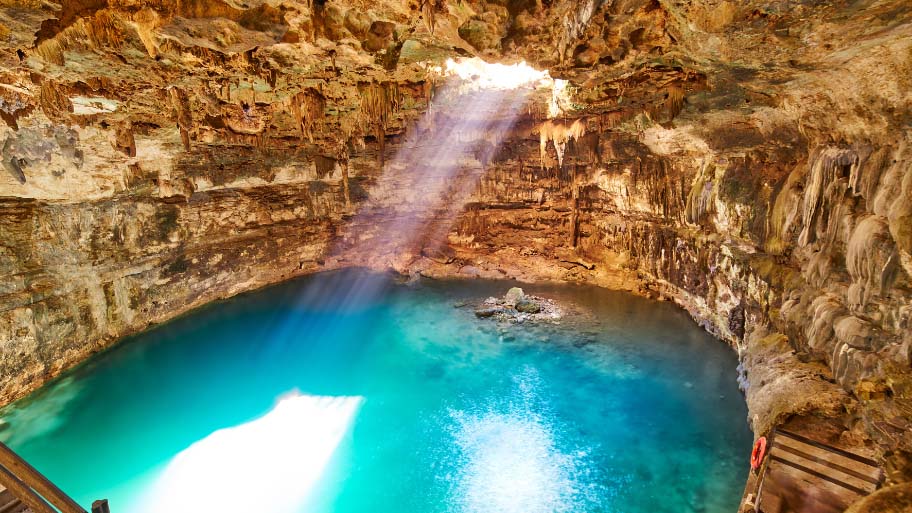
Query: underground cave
[465, 256]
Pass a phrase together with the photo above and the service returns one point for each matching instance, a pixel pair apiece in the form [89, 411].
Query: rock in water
[488, 312]
[514, 296]
[517, 307]
[526, 306]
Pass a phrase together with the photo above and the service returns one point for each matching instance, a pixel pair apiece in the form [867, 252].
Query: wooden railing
[34, 490]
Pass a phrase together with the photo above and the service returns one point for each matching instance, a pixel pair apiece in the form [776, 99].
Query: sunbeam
[441, 159]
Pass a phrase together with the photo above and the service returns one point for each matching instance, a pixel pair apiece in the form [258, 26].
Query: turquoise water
[348, 392]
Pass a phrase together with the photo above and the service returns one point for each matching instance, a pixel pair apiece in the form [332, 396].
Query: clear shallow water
[344, 392]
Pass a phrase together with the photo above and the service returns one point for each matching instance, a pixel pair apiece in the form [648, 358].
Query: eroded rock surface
[748, 160]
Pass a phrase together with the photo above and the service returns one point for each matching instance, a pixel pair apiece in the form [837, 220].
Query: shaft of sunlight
[424, 187]
[268, 464]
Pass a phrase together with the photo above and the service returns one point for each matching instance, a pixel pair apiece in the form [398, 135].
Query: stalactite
[674, 100]
[308, 108]
[124, 139]
[865, 177]
[99, 31]
[702, 197]
[666, 195]
[784, 213]
[558, 133]
[147, 21]
[871, 259]
[427, 14]
[575, 24]
[346, 192]
[824, 311]
[53, 101]
[826, 186]
[574, 204]
[379, 101]
[181, 105]
[324, 166]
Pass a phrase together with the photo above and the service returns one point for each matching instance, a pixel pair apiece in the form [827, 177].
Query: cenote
[353, 392]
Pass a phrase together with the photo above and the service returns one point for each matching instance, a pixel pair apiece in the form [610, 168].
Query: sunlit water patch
[509, 458]
[346, 392]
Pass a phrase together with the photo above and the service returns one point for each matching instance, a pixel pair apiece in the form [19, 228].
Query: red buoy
[758, 453]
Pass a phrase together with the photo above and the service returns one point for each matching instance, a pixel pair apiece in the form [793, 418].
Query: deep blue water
[348, 392]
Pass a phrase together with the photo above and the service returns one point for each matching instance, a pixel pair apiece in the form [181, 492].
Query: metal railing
[34, 490]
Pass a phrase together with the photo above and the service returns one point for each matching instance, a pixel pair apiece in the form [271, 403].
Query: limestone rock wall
[748, 160]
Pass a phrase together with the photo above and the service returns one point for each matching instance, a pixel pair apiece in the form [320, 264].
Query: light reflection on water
[508, 458]
[268, 464]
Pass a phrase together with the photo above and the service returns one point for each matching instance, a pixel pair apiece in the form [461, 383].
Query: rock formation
[748, 160]
[518, 307]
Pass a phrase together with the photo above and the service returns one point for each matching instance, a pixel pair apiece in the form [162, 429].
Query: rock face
[892, 499]
[748, 160]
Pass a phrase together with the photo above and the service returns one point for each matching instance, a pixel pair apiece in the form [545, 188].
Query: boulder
[480, 34]
[892, 499]
[526, 306]
[380, 36]
[488, 312]
[514, 296]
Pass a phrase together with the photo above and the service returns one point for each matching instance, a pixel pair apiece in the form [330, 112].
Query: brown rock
[892, 499]
[357, 22]
[528, 306]
[481, 34]
[379, 36]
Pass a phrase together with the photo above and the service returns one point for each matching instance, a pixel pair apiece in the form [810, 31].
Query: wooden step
[10, 504]
[14, 507]
[807, 476]
[844, 469]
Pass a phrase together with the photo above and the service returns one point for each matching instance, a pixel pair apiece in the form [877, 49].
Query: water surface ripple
[346, 392]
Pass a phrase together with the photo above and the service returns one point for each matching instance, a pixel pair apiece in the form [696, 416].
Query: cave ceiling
[274, 72]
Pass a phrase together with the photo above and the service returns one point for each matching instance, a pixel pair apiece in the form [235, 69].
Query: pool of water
[349, 392]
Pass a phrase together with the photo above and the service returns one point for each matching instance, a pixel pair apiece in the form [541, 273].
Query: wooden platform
[9, 503]
[806, 476]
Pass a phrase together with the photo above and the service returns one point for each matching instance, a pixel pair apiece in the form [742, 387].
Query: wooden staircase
[24, 489]
[807, 476]
[9, 503]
